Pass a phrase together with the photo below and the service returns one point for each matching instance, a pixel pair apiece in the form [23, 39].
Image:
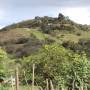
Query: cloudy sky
[12, 11]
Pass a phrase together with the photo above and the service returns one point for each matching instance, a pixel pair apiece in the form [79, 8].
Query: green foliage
[3, 57]
[58, 64]
[7, 65]
[52, 62]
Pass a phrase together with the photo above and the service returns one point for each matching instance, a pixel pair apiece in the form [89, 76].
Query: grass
[60, 36]
[73, 36]
[39, 35]
[21, 88]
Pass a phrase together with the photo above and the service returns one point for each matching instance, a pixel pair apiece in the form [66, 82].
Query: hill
[26, 37]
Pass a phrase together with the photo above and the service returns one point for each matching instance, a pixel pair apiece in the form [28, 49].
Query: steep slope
[22, 41]
[26, 37]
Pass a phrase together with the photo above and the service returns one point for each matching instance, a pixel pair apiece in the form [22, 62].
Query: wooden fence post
[17, 79]
[47, 86]
[12, 83]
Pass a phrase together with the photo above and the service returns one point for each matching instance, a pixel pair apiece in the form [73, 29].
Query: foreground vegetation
[66, 69]
[24, 87]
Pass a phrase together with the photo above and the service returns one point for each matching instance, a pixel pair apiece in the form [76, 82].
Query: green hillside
[27, 35]
[58, 47]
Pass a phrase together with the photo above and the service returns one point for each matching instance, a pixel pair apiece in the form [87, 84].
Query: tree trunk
[51, 84]
[81, 85]
[73, 85]
[85, 87]
[62, 88]
[47, 86]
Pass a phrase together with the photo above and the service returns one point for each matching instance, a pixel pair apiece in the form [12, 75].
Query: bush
[22, 40]
[78, 34]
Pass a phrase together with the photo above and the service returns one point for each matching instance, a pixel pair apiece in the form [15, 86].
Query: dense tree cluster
[63, 67]
[66, 69]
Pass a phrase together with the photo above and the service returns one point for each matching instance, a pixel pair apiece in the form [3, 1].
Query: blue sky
[12, 11]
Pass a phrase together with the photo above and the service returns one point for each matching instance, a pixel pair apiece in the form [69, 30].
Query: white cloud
[79, 14]
[2, 14]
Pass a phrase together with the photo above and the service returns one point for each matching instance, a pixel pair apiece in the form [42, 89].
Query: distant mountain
[26, 37]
